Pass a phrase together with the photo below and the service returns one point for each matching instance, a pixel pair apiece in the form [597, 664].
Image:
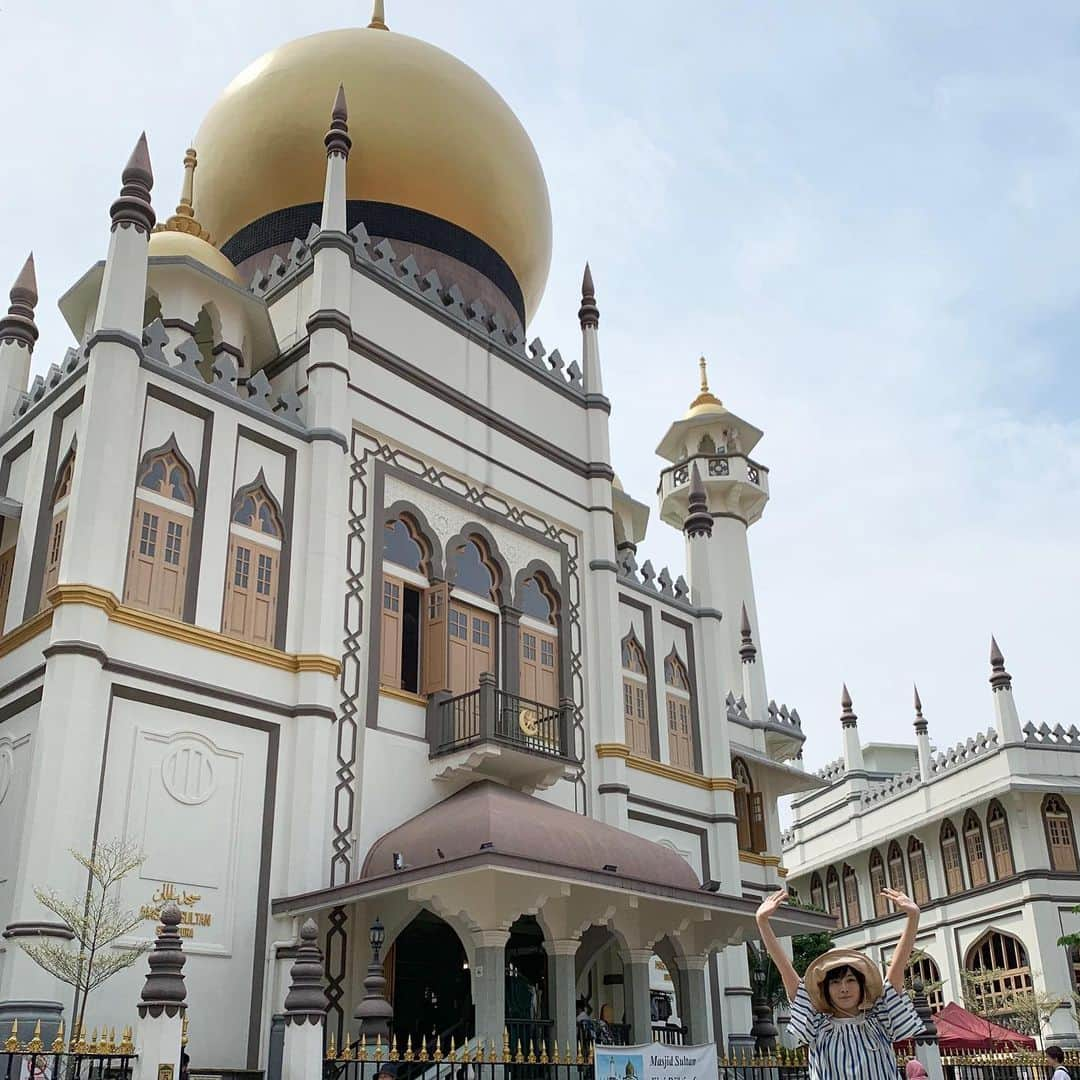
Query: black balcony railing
[489, 714]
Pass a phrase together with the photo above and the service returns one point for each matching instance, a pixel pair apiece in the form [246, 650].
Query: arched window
[975, 847]
[471, 569]
[997, 968]
[635, 683]
[253, 571]
[877, 883]
[897, 877]
[160, 541]
[817, 893]
[851, 897]
[950, 859]
[1060, 838]
[1000, 843]
[538, 663]
[832, 894]
[749, 809]
[920, 882]
[677, 700]
[406, 562]
[65, 476]
[923, 968]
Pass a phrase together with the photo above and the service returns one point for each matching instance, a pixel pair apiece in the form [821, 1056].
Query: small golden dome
[429, 134]
[705, 403]
[169, 242]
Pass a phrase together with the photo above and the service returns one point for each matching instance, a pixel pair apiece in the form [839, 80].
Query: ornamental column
[636, 964]
[305, 1010]
[160, 1029]
[18, 333]
[562, 980]
[489, 985]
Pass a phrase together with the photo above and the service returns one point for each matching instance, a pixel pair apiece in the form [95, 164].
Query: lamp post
[374, 1012]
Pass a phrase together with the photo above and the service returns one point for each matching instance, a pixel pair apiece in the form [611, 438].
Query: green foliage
[805, 949]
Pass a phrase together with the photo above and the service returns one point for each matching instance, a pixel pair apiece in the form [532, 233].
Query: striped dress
[841, 1048]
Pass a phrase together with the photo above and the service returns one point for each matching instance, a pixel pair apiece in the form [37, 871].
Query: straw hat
[816, 973]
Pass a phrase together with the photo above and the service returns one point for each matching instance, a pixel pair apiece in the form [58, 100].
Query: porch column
[562, 982]
[636, 964]
[696, 1008]
[489, 986]
[927, 1049]
[305, 1009]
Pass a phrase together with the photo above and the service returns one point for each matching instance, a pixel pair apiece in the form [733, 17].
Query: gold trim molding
[21, 634]
[760, 860]
[199, 636]
[658, 768]
[402, 695]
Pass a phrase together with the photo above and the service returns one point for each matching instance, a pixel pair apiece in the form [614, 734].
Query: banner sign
[656, 1061]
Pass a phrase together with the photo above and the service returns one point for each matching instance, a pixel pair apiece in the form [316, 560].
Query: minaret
[184, 219]
[1006, 718]
[752, 681]
[853, 759]
[717, 442]
[604, 695]
[922, 741]
[328, 366]
[18, 333]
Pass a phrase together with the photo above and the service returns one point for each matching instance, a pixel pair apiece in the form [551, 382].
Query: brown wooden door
[636, 716]
[758, 841]
[53, 555]
[251, 592]
[481, 646]
[680, 745]
[538, 669]
[157, 560]
[435, 666]
[742, 815]
[390, 631]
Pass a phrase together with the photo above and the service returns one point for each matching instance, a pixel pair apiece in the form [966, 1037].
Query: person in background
[841, 1009]
[1055, 1058]
[915, 1070]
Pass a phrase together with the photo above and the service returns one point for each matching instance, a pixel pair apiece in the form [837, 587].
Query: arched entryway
[432, 987]
[528, 1000]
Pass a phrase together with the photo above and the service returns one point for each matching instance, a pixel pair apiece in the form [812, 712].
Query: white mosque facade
[318, 586]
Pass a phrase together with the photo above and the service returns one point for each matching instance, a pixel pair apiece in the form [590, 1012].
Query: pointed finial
[921, 726]
[847, 717]
[184, 219]
[747, 650]
[133, 207]
[306, 999]
[18, 325]
[706, 397]
[164, 986]
[337, 138]
[703, 365]
[1000, 679]
[378, 16]
[588, 313]
[698, 521]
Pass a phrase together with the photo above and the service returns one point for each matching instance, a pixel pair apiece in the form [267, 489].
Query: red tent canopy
[960, 1030]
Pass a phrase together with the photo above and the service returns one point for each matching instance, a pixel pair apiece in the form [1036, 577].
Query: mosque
[318, 585]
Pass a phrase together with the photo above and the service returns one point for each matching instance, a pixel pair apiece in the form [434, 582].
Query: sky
[862, 214]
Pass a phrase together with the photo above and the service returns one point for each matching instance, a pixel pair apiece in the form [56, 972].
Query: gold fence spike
[395, 1053]
[544, 1059]
[519, 1057]
[423, 1055]
[347, 1054]
[492, 1057]
[93, 1048]
[11, 1046]
[437, 1056]
[112, 1040]
[35, 1045]
[58, 1042]
[362, 1052]
[408, 1049]
[506, 1044]
[378, 1046]
[127, 1042]
[331, 1049]
[532, 1052]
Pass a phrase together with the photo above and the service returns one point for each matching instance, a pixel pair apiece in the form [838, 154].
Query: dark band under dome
[383, 220]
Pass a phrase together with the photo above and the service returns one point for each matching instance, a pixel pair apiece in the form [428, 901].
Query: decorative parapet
[1043, 735]
[833, 771]
[648, 578]
[892, 788]
[56, 376]
[255, 391]
[721, 465]
[447, 299]
[961, 753]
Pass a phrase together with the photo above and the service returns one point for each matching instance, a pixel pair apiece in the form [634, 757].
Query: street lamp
[763, 1029]
[374, 1012]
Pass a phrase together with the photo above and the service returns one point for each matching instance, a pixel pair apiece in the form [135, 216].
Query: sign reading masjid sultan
[657, 1061]
[189, 918]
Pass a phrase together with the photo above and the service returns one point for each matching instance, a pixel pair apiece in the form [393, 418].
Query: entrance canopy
[959, 1029]
[489, 854]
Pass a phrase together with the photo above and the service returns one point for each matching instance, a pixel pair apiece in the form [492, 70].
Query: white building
[323, 591]
[981, 835]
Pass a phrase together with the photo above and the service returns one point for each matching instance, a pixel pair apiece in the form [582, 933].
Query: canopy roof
[959, 1029]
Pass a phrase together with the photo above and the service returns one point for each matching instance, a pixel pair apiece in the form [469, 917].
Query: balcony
[488, 732]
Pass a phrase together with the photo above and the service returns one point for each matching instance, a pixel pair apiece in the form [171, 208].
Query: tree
[911, 975]
[805, 948]
[96, 920]
[988, 995]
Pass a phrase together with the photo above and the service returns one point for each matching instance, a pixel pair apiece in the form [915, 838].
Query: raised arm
[769, 906]
[902, 953]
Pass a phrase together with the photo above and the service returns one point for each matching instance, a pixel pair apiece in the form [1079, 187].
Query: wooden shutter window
[435, 666]
[742, 814]
[954, 871]
[54, 553]
[680, 743]
[877, 883]
[251, 592]
[7, 565]
[635, 713]
[976, 851]
[758, 841]
[390, 634]
[920, 884]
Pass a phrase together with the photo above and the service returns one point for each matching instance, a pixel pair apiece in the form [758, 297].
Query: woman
[841, 1009]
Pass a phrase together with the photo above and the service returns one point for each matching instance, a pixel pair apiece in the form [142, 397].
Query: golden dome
[168, 242]
[428, 132]
[705, 403]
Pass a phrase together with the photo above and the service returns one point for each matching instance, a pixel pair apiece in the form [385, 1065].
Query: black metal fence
[46, 1065]
[1004, 1066]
